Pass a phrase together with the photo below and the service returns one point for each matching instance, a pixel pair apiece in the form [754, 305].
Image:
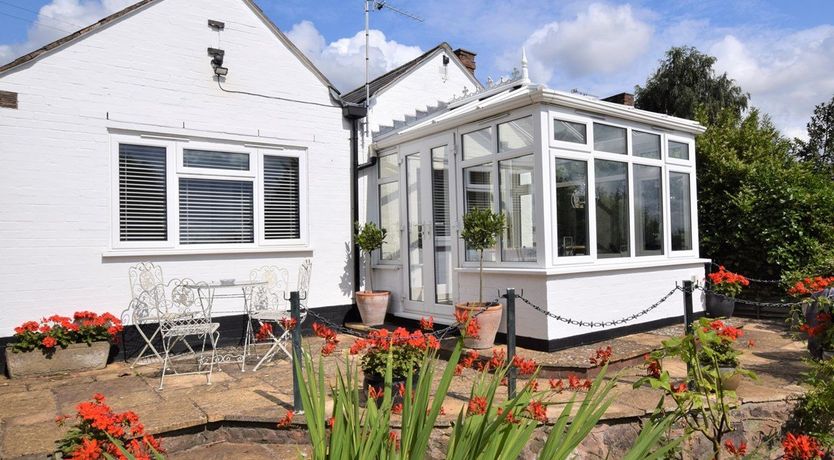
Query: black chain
[754, 280]
[754, 303]
[440, 334]
[592, 324]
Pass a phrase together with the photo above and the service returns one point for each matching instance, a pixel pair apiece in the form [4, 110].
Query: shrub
[369, 238]
[814, 414]
[406, 351]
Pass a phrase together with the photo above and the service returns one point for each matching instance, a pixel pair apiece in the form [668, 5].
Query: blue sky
[782, 52]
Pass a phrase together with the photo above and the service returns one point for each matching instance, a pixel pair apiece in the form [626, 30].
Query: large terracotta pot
[488, 321]
[76, 357]
[719, 306]
[372, 306]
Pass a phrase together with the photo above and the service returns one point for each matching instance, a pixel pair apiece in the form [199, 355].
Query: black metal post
[295, 312]
[688, 314]
[511, 373]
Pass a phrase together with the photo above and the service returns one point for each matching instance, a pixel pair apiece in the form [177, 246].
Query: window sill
[589, 267]
[112, 253]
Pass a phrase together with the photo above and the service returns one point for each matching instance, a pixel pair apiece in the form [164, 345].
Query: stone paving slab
[28, 406]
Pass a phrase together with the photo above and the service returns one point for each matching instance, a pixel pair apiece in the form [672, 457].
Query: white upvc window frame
[379, 182]
[175, 169]
[586, 153]
[495, 159]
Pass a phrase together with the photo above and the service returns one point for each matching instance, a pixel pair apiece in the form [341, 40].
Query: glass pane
[389, 219]
[215, 160]
[519, 240]
[569, 131]
[143, 194]
[477, 144]
[610, 139]
[415, 228]
[571, 207]
[648, 210]
[281, 198]
[645, 145]
[680, 211]
[611, 208]
[216, 211]
[442, 226]
[388, 166]
[477, 183]
[516, 134]
[678, 150]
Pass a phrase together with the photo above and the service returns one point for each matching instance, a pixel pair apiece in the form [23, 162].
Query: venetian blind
[216, 211]
[282, 218]
[142, 193]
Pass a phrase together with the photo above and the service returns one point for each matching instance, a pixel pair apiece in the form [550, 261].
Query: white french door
[430, 246]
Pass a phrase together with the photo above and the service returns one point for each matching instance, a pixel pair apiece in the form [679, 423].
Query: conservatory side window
[477, 183]
[610, 139]
[516, 180]
[571, 207]
[680, 211]
[648, 211]
[611, 189]
[477, 144]
[389, 206]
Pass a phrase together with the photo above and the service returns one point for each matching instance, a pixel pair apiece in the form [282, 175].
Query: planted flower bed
[62, 344]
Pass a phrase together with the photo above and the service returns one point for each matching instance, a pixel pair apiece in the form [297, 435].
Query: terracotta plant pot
[488, 321]
[372, 306]
[76, 357]
[719, 307]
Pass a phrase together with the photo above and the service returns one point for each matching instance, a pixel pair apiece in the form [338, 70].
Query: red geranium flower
[49, 342]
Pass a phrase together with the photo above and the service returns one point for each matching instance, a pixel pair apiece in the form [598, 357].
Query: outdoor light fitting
[217, 61]
[221, 71]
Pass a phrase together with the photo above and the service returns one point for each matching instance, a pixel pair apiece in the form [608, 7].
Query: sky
[780, 51]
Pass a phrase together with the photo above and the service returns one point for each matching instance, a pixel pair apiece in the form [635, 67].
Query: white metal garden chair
[143, 277]
[183, 314]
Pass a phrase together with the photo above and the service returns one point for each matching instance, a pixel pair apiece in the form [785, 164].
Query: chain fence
[753, 280]
[754, 303]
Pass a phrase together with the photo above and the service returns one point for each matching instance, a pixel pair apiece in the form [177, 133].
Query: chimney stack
[622, 98]
[467, 58]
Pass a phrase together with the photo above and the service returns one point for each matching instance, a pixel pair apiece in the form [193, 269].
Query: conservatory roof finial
[525, 75]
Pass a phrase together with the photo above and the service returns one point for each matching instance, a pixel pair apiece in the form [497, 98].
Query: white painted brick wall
[151, 71]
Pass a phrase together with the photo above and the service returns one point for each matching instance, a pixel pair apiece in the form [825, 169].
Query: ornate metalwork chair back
[304, 273]
[144, 277]
[181, 306]
[269, 296]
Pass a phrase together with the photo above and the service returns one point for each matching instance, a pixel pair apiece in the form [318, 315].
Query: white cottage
[599, 199]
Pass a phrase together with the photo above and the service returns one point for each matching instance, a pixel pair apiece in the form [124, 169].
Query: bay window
[183, 194]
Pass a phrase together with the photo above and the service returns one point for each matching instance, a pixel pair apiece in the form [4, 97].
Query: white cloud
[60, 18]
[601, 39]
[343, 60]
[786, 73]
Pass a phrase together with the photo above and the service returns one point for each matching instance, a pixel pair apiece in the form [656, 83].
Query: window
[568, 131]
[571, 207]
[611, 208]
[389, 206]
[216, 211]
[477, 144]
[517, 204]
[517, 134]
[282, 213]
[222, 195]
[678, 150]
[648, 211]
[680, 211]
[610, 139]
[143, 207]
[478, 195]
[645, 145]
[442, 229]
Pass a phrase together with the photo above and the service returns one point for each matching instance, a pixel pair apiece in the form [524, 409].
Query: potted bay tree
[481, 227]
[372, 304]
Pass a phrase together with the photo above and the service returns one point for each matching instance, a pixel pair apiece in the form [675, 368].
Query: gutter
[354, 113]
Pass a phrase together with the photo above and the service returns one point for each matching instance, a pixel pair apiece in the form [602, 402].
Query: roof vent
[8, 99]
[216, 25]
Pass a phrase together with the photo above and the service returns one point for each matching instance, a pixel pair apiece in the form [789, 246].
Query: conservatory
[599, 199]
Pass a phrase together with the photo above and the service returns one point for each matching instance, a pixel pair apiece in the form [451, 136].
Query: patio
[238, 412]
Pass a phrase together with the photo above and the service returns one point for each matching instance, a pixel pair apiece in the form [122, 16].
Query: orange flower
[509, 417]
[537, 411]
[652, 366]
[397, 409]
[472, 328]
[427, 324]
[288, 324]
[477, 405]
[602, 356]
[287, 420]
[90, 449]
[524, 366]
[737, 452]
[461, 316]
[330, 422]
[328, 348]
[394, 440]
[556, 385]
[498, 358]
[573, 382]
[324, 332]
[375, 393]
[534, 385]
[801, 447]
[679, 388]
[264, 332]
[49, 342]
[432, 342]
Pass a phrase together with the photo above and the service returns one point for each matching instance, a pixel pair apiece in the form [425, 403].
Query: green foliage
[120, 446]
[404, 359]
[481, 227]
[814, 414]
[819, 149]
[497, 431]
[686, 80]
[369, 238]
[760, 211]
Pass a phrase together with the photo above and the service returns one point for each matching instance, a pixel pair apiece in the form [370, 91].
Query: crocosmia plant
[726, 282]
[61, 331]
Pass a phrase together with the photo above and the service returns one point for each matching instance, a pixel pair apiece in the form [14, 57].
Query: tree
[760, 210]
[686, 80]
[819, 150]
